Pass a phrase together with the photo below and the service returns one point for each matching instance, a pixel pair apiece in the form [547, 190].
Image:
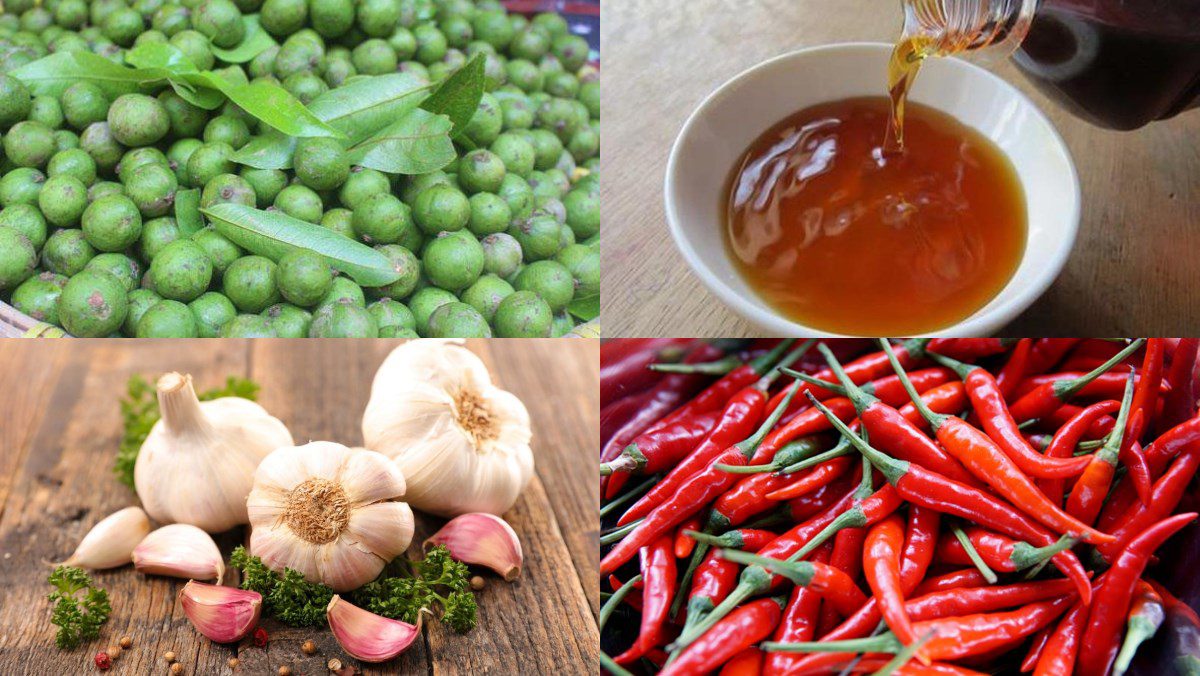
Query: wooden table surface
[61, 426]
[1132, 270]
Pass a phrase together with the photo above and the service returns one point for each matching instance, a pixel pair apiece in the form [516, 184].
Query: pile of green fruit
[322, 168]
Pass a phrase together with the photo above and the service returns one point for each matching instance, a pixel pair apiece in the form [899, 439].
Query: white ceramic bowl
[732, 117]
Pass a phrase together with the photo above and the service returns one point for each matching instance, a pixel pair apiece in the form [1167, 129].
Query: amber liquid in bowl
[836, 234]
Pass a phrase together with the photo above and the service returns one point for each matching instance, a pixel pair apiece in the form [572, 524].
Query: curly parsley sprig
[405, 588]
[139, 410]
[288, 597]
[80, 607]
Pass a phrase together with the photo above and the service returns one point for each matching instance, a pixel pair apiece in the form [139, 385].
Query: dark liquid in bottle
[834, 233]
[1120, 64]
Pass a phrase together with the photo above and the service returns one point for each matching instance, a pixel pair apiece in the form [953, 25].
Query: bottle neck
[990, 30]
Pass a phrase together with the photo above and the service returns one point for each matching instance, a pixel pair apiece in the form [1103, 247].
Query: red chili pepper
[881, 563]
[937, 492]
[715, 577]
[1036, 646]
[868, 367]
[1042, 400]
[625, 373]
[846, 557]
[1087, 497]
[743, 628]
[1167, 493]
[746, 663]
[1068, 437]
[810, 480]
[738, 421]
[992, 466]
[948, 638]
[988, 403]
[969, 348]
[1180, 402]
[666, 396]
[997, 551]
[658, 450]
[947, 398]
[691, 497]
[716, 395]
[749, 497]
[834, 586]
[1062, 646]
[1100, 428]
[1015, 368]
[1109, 385]
[1171, 443]
[658, 588]
[806, 424]
[891, 430]
[1047, 352]
[684, 544]
[1145, 397]
[798, 624]
[1114, 592]
[965, 578]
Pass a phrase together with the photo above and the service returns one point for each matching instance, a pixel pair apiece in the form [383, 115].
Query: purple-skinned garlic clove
[481, 539]
[223, 614]
[367, 636]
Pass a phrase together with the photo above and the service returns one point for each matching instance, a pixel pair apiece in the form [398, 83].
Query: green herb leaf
[289, 597]
[53, 74]
[139, 410]
[358, 110]
[256, 42]
[402, 592]
[586, 309]
[417, 143]
[459, 95]
[187, 211]
[273, 233]
[80, 607]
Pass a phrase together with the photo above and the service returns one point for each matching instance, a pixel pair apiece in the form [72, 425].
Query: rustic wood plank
[65, 432]
[1130, 272]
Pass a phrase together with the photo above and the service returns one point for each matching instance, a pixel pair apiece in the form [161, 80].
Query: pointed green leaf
[187, 211]
[417, 143]
[458, 96]
[271, 150]
[203, 97]
[269, 103]
[52, 75]
[256, 42]
[160, 55]
[586, 309]
[273, 233]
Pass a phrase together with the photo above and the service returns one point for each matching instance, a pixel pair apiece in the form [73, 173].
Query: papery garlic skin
[481, 539]
[330, 512]
[222, 614]
[179, 550]
[366, 636]
[197, 464]
[461, 442]
[110, 542]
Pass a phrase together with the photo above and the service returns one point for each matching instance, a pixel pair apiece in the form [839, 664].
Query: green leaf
[269, 103]
[256, 42]
[359, 110]
[52, 75]
[208, 99]
[417, 143]
[187, 211]
[272, 234]
[459, 95]
[586, 309]
[160, 55]
[271, 150]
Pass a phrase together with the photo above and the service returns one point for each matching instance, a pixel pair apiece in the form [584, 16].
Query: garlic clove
[110, 542]
[370, 477]
[179, 550]
[223, 614]
[367, 636]
[481, 539]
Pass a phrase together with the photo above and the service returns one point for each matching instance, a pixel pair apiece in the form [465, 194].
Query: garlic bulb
[329, 512]
[197, 464]
[110, 543]
[461, 442]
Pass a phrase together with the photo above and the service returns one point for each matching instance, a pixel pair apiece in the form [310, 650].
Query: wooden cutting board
[60, 427]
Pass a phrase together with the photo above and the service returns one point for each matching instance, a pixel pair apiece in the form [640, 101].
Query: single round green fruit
[112, 223]
[248, 326]
[211, 311]
[167, 319]
[343, 319]
[67, 252]
[93, 304]
[181, 271]
[523, 315]
[453, 261]
[38, 296]
[458, 320]
[251, 283]
[288, 320]
[18, 258]
[138, 120]
[304, 277]
[320, 163]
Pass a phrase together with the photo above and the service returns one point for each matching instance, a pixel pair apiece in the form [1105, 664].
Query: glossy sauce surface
[833, 234]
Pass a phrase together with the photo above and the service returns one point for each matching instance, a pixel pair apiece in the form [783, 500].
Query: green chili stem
[629, 495]
[618, 534]
[615, 600]
[973, 554]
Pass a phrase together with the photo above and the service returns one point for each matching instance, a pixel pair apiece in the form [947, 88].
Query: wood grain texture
[1131, 272]
[61, 429]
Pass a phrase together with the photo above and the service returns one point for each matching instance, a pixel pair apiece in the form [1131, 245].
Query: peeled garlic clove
[223, 614]
[110, 543]
[179, 550]
[481, 539]
[367, 636]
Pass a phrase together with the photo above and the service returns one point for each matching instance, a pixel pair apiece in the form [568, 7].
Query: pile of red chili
[941, 506]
